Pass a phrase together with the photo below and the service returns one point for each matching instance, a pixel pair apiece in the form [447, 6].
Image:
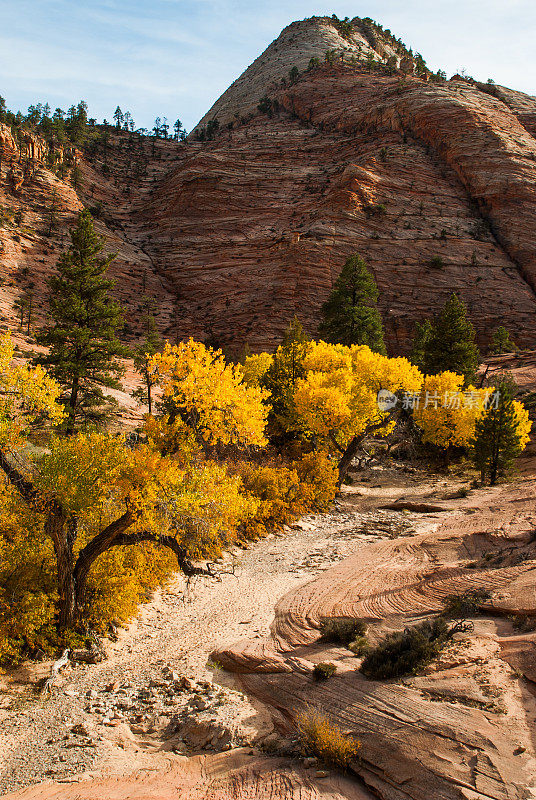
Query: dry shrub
[324, 739]
[408, 651]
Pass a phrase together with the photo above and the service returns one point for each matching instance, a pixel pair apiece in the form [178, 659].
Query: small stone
[321, 773]
[80, 730]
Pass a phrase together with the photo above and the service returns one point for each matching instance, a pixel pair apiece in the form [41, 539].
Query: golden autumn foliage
[96, 477]
[286, 493]
[523, 424]
[447, 413]
[209, 395]
[321, 737]
[336, 401]
[27, 580]
[27, 396]
[255, 368]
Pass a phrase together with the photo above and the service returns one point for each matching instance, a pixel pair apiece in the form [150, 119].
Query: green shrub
[342, 630]
[466, 604]
[407, 652]
[323, 671]
[436, 262]
[360, 646]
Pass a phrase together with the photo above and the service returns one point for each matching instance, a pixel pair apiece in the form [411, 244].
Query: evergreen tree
[280, 380]
[497, 440]
[84, 320]
[501, 342]
[150, 345]
[350, 315]
[423, 331]
[118, 117]
[451, 343]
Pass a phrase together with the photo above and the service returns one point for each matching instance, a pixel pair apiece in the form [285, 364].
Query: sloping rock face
[38, 207]
[233, 776]
[432, 183]
[464, 728]
[297, 44]
[256, 225]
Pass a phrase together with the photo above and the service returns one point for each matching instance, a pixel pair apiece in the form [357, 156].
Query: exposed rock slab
[465, 729]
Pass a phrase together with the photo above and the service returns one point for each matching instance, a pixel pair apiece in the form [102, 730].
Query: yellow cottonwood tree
[27, 396]
[446, 412]
[337, 399]
[255, 368]
[92, 493]
[209, 396]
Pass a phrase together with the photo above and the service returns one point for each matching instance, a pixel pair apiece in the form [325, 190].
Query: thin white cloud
[175, 57]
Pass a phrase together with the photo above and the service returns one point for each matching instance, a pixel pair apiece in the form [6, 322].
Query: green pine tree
[150, 345]
[423, 331]
[349, 314]
[451, 344]
[497, 442]
[82, 332]
[501, 342]
[280, 380]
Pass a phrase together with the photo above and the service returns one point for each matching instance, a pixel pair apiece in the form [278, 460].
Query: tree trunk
[73, 401]
[62, 531]
[347, 458]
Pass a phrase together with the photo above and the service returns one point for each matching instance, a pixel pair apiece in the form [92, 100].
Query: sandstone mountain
[356, 147]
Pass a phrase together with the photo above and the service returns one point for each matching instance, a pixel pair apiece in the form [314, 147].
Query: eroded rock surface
[433, 183]
[465, 728]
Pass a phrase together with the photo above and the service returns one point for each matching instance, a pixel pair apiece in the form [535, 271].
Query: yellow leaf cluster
[27, 395]
[523, 424]
[338, 396]
[210, 395]
[27, 580]
[255, 368]
[447, 413]
[285, 493]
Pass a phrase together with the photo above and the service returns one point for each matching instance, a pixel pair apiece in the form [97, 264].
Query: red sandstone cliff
[235, 235]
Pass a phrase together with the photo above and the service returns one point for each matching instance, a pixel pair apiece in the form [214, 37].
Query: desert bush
[318, 475]
[406, 652]
[436, 262]
[466, 604]
[360, 646]
[324, 739]
[323, 671]
[342, 630]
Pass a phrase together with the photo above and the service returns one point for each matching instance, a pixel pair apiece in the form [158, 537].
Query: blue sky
[175, 57]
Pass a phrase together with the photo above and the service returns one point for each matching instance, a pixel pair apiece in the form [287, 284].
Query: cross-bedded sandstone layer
[464, 728]
[434, 184]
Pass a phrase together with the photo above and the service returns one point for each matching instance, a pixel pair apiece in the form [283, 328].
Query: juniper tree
[81, 333]
[497, 436]
[280, 380]
[423, 331]
[451, 344]
[350, 315]
[501, 341]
